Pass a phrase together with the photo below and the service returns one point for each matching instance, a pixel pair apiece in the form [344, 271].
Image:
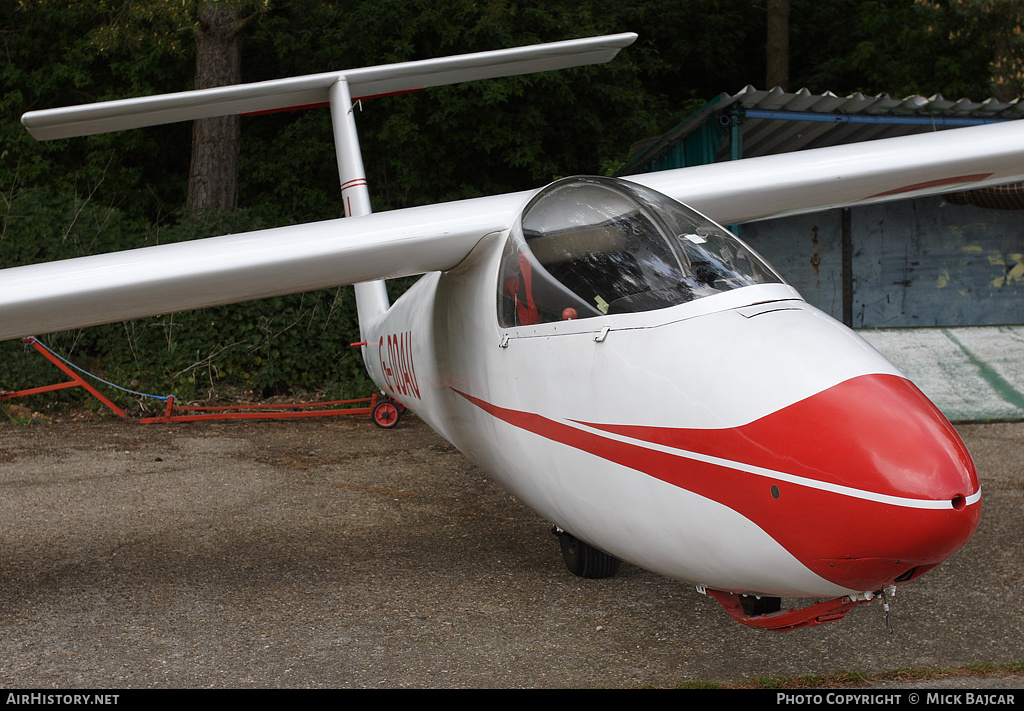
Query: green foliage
[883, 46]
[450, 142]
[991, 30]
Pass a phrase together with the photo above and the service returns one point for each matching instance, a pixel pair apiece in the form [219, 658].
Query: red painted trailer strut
[75, 382]
[261, 412]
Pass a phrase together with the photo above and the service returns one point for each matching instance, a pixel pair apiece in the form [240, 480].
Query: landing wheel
[584, 560]
[386, 413]
[754, 606]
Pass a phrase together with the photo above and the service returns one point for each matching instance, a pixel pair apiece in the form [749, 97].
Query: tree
[897, 47]
[995, 27]
[449, 142]
[216, 28]
[777, 53]
[213, 177]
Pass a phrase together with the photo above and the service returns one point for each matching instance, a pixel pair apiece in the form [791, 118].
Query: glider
[609, 353]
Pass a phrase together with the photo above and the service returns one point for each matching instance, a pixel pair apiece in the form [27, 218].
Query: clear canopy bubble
[590, 246]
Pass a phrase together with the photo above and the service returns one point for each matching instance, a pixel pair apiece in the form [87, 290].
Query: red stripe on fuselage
[876, 433]
[883, 419]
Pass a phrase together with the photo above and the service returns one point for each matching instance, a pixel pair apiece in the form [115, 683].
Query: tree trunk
[777, 53]
[213, 179]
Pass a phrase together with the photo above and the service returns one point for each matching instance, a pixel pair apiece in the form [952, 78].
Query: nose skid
[784, 621]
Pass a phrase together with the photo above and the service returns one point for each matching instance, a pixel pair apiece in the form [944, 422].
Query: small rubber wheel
[584, 560]
[386, 413]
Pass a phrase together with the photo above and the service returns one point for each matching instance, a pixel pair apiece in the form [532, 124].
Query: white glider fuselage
[743, 441]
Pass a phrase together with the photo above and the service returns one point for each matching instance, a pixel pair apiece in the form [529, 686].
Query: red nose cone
[896, 492]
[866, 483]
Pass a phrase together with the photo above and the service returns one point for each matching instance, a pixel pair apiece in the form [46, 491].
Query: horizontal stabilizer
[279, 94]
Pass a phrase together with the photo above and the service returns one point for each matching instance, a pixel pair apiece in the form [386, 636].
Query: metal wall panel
[913, 263]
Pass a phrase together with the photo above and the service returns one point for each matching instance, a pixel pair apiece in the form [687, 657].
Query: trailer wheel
[386, 413]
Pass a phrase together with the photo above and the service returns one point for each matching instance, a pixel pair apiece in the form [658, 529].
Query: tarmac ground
[327, 553]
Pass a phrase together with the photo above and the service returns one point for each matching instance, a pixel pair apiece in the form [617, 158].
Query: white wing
[847, 175]
[113, 287]
[144, 282]
[56, 296]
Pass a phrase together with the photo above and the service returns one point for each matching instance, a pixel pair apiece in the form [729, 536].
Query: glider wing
[74, 293]
[848, 175]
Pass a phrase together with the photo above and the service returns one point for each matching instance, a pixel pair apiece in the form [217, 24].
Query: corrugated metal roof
[777, 121]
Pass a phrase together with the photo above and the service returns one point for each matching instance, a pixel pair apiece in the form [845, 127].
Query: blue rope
[68, 363]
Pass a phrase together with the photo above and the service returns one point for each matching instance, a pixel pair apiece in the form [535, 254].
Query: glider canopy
[590, 246]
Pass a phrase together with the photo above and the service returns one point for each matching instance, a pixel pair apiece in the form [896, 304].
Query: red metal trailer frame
[76, 380]
[174, 413]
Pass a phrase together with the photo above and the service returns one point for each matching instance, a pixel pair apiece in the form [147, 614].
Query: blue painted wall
[921, 262]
